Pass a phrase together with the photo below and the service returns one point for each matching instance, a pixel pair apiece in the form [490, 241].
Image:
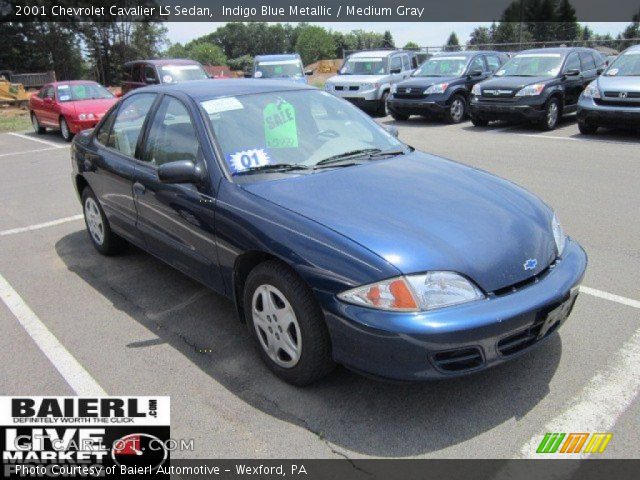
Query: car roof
[164, 61]
[560, 50]
[208, 89]
[467, 53]
[375, 53]
[283, 56]
[633, 47]
[73, 82]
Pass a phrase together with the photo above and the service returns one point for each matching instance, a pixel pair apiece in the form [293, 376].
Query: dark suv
[442, 85]
[140, 73]
[537, 85]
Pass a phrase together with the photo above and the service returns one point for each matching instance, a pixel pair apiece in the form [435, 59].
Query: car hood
[97, 106]
[512, 83]
[421, 212]
[353, 79]
[626, 84]
[424, 82]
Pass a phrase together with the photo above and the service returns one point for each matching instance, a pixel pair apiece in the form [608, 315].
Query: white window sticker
[534, 55]
[280, 62]
[613, 72]
[224, 104]
[63, 87]
[64, 98]
[246, 159]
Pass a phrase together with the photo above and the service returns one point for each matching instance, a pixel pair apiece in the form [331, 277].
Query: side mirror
[392, 130]
[119, 94]
[475, 73]
[572, 72]
[599, 71]
[308, 72]
[394, 71]
[181, 171]
[150, 80]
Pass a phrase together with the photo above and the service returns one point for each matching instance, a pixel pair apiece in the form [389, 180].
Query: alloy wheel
[94, 220]
[457, 110]
[552, 114]
[277, 326]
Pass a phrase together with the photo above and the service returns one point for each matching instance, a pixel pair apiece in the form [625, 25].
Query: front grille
[339, 87]
[617, 94]
[354, 87]
[458, 360]
[497, 93]
[409, 92]
[614, 103]
[524, 283]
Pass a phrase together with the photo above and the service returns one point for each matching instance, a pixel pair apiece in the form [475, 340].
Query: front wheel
[287, 324]
[382, 105]
[36, 125]
[587, 128]
[399, 116]
[64, 130]
[103, 239]
[457, 110]
[479, 121]
[551, 115]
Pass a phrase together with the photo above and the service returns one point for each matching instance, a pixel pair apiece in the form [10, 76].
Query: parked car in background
[140, 73]
[442, 85]
[365, 78]
[69, 106]
[537, 85]
[613, 99]
[283, 67]
[336, 242]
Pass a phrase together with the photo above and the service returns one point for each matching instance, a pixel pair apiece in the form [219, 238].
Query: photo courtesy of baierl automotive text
[378, 239]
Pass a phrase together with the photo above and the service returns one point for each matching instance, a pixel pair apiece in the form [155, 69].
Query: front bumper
[430, 104]
[367, 100]
[516, 108]
[455, 340]
[607, 115]
[76, 126]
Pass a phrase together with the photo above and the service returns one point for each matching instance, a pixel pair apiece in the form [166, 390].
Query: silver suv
[365, 78]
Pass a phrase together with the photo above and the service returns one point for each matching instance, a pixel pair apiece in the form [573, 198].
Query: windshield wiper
[272, 167]
[386, 153]
[343, 156]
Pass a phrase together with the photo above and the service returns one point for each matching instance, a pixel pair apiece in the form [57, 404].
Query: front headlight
[558, 234]
[592, 90]
[531, 90]
[413, 293]
[437, 88]
[476, 90]
[86, 116]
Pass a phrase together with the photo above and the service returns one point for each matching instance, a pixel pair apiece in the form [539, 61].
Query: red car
[69, 106]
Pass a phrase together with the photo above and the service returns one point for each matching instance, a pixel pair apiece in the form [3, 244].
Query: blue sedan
[337, 242]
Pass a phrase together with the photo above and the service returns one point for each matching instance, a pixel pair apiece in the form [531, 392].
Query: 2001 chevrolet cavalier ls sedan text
[337, 242]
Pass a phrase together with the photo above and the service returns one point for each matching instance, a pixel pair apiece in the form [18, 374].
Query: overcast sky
[424, 34]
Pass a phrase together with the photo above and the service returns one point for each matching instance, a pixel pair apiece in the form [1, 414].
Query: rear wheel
[399, 116]
[36, 125]
[103, 239]
[551, 115]
[382, 105]
[287, 324]
[587, 128]
[457, 110]
[479, 121]
[64, 130]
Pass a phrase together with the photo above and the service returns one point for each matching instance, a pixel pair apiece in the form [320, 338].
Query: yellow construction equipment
[13, 93]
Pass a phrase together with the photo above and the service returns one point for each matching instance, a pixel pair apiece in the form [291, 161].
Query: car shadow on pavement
[349, 411]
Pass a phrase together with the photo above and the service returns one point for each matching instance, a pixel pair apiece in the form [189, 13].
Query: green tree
[631, 31]
[453, 44]
[567, 27]
[315, 43]
[243, 63]
[207, 54]
[411, 46]
[479, 36]
[387, 40]
[175, 50]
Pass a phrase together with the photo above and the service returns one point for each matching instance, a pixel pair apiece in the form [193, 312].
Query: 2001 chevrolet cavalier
[337, 242]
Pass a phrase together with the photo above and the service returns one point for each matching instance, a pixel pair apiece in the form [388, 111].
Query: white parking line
[74, 374]
[579, 139]
[46, 142]
[28, 151]
[610, 296]
[38, 226]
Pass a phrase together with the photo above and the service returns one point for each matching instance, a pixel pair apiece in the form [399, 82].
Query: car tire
[552, 113]
[400, 117]
[382, 105]
[98, 228]
[457, 110]
[587, 128]
[479, 121]
[282, 314]
[40, 130]
[64, 130]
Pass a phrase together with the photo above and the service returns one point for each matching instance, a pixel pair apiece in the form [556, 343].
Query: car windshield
[532, 65]
[626, 65]
[442, 67]
[304, 129]
[279, 69]
[182, 73]
[364, 66]
[82, 91]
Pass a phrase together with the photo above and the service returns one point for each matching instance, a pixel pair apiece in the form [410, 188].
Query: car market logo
[140, 450]
[530, 264]
[622, 95]
[574, 443]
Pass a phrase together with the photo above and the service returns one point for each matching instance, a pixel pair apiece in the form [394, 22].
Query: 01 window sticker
[247, 159]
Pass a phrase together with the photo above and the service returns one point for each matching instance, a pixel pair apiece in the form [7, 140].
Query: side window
[573, 62]
[600, 60]
[405, 62]
[149, 75]
[587, 61]
[103, 132]
[396, 63]
[48, 93]
[477, 64]
[128, 123]
[493, 62]
[126, 73]
[172, 136]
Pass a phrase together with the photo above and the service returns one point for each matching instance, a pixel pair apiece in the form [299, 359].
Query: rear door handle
[139, 189]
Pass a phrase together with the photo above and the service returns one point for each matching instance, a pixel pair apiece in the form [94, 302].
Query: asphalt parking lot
[137, 327]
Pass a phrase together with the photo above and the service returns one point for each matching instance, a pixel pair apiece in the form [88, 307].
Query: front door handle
[139, 189]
